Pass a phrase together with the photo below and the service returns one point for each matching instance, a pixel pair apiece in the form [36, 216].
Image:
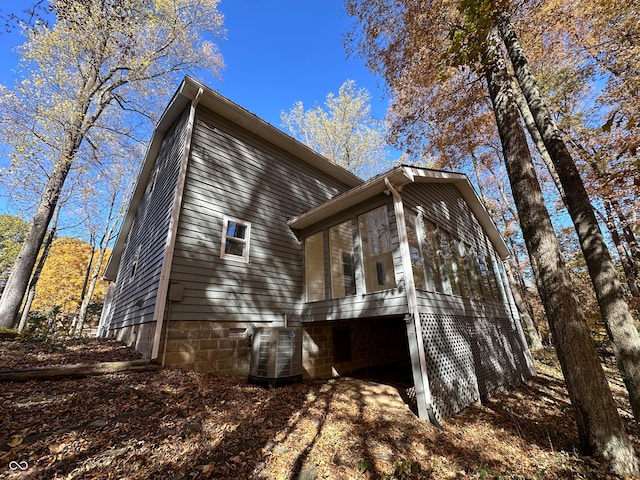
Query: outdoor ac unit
[276, 355]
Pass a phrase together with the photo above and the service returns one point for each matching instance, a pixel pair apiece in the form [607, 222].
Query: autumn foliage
[176, 424]
[59, 290]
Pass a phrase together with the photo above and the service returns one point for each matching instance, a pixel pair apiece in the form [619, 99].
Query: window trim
[308, 297]
[245, 241]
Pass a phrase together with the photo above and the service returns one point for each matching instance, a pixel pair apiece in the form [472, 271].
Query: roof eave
[399, 177]
[185, 93]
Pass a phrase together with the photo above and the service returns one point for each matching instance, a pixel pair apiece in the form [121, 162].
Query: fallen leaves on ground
[183, 425]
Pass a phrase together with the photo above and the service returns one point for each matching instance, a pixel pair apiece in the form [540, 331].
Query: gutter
[172, 232]
[423, 392]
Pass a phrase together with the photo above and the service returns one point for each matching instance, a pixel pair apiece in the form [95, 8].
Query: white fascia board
[398, 176]
[254, 124]
[175, 108]
[345, 200]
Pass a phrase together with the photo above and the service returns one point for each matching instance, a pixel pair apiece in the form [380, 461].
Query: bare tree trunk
[528, 325]
[625, 258]
[14, 293]
[613, 306]
[111, 224]
[629, 235]
[599, 425]
[84, 306]
[530, 123]
[83, 293]
[36, 274]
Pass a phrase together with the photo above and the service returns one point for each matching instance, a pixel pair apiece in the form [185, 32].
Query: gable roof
[399, 177]
[233, 112]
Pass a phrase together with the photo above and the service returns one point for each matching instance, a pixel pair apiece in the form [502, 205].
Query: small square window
[235, 239]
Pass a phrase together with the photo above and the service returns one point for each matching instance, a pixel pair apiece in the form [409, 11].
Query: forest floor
[171, 424]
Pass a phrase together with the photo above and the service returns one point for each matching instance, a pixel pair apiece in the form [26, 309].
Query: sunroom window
[343, 275]
[314, 267]
[432, 260]
[377, 253]
[417, 263]
[235, 239]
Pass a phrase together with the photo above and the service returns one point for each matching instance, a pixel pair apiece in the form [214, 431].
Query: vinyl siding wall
[232, 172]
[134, 295]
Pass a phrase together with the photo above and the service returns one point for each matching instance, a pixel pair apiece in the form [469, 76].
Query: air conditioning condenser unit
[276, 355]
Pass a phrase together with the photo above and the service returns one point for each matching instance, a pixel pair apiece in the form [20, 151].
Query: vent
[276, 355]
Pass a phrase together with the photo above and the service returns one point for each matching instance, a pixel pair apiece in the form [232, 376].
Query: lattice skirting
[469, 357]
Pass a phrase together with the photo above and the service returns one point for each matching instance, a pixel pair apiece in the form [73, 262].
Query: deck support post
[412, 320]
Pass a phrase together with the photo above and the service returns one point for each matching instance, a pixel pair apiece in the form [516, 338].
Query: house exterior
[234, 226]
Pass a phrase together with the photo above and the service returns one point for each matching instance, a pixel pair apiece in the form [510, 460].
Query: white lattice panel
[469, 357]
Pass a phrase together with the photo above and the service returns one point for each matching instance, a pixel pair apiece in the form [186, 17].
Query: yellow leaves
[60, 284]
[15, 441]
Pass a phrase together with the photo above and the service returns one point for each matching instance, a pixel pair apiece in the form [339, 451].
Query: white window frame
[245, 241]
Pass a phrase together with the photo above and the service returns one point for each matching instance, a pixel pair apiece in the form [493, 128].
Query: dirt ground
[171, 424]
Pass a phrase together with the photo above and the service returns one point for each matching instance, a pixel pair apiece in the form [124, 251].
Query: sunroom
[408, 268]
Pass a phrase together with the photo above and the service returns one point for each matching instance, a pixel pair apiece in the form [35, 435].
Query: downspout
[167, 261]
[425, 408]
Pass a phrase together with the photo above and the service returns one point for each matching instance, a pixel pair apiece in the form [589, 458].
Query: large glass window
[417, 264]
[459, 251]
[446, 265]
[377, 255]
[472, 267]
[488, 278]
[314, 267]
[235, 239]
[343, 278]
[493, 278]
[432, 265]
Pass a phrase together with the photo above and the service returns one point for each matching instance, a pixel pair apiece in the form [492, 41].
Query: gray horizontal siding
[379, 304]
[231, 172]
[440, 303]
[134, 298]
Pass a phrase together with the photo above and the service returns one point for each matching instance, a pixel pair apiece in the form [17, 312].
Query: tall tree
[13, 231]
[597, 417]
[35, 276]
[97, 60]
[414, 46]
[613, 306]
[344, 130]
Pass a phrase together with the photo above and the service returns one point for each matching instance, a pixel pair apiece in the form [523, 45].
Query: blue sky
[276, 53]
[282, 51]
